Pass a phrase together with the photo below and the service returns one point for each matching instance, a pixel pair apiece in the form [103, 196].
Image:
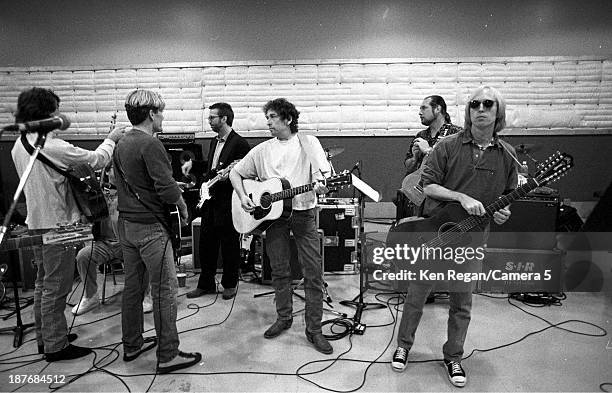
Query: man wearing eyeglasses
[433, 114]
[217, 228]
[472, 168]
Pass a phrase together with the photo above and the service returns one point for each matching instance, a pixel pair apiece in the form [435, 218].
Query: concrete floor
[236, 357]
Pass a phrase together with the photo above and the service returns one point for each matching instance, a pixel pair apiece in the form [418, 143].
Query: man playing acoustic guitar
[433, 114]
[473, 167]
[300, 160]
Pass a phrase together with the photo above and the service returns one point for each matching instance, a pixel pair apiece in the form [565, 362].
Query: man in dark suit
[217, 228]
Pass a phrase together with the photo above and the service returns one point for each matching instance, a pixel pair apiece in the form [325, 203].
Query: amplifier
[513, 270]
[340, 225]
[531, 226]
[178, 138]
[296, 268]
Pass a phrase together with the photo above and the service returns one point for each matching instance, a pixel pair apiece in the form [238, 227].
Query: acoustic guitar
[273, 200]
[450, 225]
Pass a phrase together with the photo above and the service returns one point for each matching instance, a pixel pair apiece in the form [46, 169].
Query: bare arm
[245, 201]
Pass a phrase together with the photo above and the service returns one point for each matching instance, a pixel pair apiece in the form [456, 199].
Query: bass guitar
[452, 222]
[273, 200]
[205, 188]
[173, 226]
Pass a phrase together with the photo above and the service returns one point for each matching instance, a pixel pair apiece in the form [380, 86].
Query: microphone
[60, 122]
[356, 166]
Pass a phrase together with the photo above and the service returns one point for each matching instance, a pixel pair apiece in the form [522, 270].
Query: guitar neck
[501, 202]
[291, 192]
[22, 242]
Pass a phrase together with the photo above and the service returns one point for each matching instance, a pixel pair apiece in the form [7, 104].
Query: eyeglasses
[212, 117]
[475, 104]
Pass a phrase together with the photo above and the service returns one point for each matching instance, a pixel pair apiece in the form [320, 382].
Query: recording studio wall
[368, 107]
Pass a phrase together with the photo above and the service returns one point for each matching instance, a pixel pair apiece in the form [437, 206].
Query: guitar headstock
[340, 180]
[553, 168]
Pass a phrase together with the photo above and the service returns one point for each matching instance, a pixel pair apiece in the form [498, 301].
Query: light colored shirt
[218, 148]
[286, 159]
[49, 200]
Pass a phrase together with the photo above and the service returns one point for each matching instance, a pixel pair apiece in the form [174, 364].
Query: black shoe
[151, 341]
[277, 328]
[187, 359]
[400, 357]
[200, 292]
[320, 342]
[71, 337]
[70, 352]
[228, 293]
[456, 374]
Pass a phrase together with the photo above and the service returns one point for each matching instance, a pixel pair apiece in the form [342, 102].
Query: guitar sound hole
[265, 200]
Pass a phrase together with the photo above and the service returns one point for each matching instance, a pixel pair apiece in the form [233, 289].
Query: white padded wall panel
[352, 96]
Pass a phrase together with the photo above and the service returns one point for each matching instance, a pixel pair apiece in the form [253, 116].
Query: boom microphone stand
[20, 329]
[357, 302]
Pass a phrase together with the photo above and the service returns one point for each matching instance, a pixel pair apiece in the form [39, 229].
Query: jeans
[303, 225]
[53, 284]
[210, 239]
[89, 257]
[147, 248]
[459, 315]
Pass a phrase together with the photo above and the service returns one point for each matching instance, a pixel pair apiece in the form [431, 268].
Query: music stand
[20, 328]
[357, 302]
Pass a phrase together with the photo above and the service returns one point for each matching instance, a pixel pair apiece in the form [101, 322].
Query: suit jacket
[218, 209]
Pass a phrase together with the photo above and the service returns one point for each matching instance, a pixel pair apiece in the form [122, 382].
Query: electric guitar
[205, 188]
[64, 235]
[273, 200]
[452, 222]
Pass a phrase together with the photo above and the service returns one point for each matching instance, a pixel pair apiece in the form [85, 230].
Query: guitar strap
[159, 219]
[41, 157]
[314, 166]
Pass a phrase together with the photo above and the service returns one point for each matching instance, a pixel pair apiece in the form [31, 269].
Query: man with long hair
[473, 168]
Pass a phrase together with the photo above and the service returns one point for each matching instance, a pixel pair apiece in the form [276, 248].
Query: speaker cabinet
[296, 268]
[340, 225]
[531, 226]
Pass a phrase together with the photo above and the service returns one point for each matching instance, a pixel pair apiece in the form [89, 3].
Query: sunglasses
[475, 104]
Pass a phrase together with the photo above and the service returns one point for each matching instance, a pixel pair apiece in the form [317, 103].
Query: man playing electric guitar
[433, 114]
[299, 160]
[216, 212]
[473, 167]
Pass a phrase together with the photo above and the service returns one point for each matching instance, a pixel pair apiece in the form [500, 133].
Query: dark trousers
[211, 237]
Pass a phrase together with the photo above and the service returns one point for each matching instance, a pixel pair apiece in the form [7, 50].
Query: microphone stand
[357, 302]
[20, 328]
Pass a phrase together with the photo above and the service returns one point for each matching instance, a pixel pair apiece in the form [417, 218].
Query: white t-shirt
[286, 159]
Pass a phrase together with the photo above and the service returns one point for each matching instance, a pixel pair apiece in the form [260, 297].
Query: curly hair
[36, 104]
[285, 110]
[138, 103]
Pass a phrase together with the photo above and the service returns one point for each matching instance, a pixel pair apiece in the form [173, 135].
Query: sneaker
[147, 304]
[277, 328]
[86, 305]
[400, 358]
[228, 293]
[181, 361]
[456, 374]
[320, 342]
